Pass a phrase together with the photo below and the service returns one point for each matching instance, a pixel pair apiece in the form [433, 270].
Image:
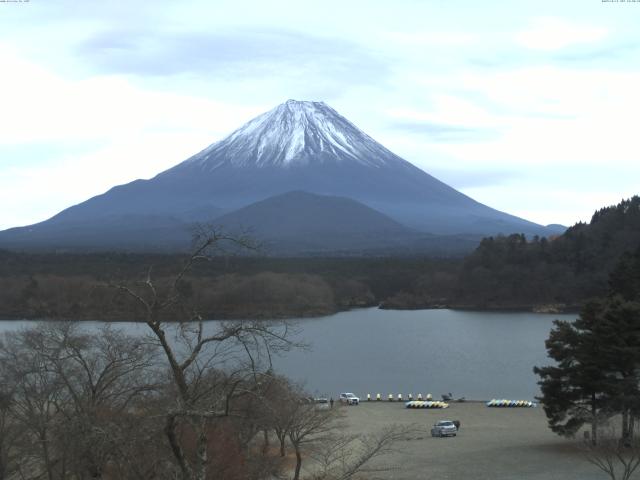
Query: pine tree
[617, 328]
[597, 374]
[573, 391]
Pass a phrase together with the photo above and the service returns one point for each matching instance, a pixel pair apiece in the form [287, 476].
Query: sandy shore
[493, 443]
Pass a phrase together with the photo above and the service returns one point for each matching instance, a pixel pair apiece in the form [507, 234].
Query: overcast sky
[530, 107]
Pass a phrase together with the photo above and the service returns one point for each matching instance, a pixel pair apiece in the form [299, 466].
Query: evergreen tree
[625, 277]
[574, 390]
[617, 328]
[597, 374]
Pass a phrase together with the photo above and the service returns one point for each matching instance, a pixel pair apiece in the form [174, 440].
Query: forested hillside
[547, 274]
[565, 270]
[75, 286]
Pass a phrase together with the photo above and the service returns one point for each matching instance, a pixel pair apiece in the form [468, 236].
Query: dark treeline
[504, 272]
[72, 286]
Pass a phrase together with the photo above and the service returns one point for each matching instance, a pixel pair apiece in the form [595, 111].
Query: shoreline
[539, 309]
[529, 308]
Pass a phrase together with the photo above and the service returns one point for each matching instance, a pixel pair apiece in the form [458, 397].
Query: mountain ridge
[297, 146]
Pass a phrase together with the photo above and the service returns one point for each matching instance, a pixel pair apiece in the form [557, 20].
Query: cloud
[462, 178]
[43, 152]
[442, 132]
[554, 34]
[433, 38]
[448, 108]
[566, 206]
[230, 53]
[45, 108]
[610, 52]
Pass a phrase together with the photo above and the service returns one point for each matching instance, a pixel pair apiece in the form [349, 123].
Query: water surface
[479, 355]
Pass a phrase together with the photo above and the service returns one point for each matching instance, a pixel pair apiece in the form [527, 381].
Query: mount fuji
[298, 146]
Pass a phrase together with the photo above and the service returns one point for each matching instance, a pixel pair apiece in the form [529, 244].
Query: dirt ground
[493, 443]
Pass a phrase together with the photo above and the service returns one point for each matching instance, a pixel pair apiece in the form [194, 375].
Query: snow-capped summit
[295, 132]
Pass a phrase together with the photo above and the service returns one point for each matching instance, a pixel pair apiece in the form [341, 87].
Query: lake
[478, 355]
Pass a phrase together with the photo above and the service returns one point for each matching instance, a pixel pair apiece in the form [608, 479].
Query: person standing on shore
[331, 402]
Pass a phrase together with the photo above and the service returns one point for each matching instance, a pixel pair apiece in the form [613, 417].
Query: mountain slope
[133, 232]
[303, 222]
[304, 146]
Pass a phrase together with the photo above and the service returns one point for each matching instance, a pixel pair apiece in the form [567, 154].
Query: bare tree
[312, 432]
[347, 456]
[280, 400]
[308, 426]
[193, 349]
[11, 433]
[103, 374]
[617, 457]
[72, 395]
[37, 394]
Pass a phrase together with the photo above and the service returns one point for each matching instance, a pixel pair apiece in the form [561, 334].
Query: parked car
[349, 399]
[444, 428]
[322, 403]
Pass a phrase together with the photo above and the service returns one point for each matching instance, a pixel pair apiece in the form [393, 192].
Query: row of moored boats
[510, 403]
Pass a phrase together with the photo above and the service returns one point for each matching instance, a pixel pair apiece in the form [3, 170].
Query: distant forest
[504, 272]
[565, 271]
